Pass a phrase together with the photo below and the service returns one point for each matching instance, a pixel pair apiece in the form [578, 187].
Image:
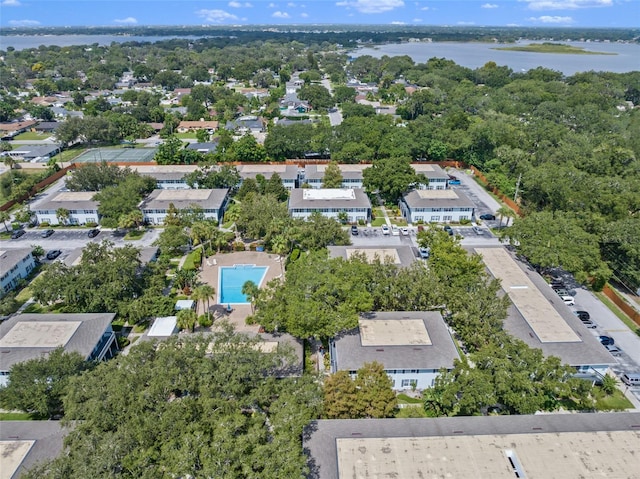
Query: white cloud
[513, 24]
[304, 15]
[566, 4]
[291, 5]
[417, 20]
[10, 3]
[215, 16]
[551, 19]
[272, 5]
[466, 23]
[372, 6]
[280, 14]
[126, 21]
[234, 4]
[398, 23]
[24, 23]
[489, 5]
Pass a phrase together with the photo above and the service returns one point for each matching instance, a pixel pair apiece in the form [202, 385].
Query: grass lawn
[619, 313]
[615, 402]
[398, 221]
[31, 135]
[404, 399]
[24, 295]
[134, 234]
[189, 135]
[189, 263]
[17, 416]
[379, 221]
[411, 412]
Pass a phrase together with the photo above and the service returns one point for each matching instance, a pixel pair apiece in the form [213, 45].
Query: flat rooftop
[13, 454]
[395, 332]
[75, 196]
[310, 194]
[182, 195]
[543, 318]
[547, 446]
[437, 194]
[40, 334]
[163, 327]
[384, 255]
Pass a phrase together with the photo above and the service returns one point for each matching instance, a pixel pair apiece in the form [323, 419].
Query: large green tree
[391, 177]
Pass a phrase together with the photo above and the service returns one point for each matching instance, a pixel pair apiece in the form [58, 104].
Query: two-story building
[413, 346]
[436, 206]
[212, 201]
[15, 264]
[287, 173]
[29, 336]
[80, 208]
[330, 202]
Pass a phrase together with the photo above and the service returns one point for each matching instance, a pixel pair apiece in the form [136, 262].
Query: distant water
[21, 42]
[474, 55]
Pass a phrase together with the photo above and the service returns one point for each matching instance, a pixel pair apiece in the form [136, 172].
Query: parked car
[453, 180]
[354, 230]
[487, 217]
[53, 254]
[17, 234]
[614, 350]
[561, 292]
[631, 379]
[477, 230]
[448, 229]
[395, 231]
[582, 314]
[606, 340]
[47, 233]
[404, 231]
[590, 324]
[424, 252]
[385, 230]
[568, 300]
[93, 233]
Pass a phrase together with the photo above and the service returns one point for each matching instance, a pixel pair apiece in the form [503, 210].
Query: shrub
[16, 226]
[123, 342]
[44, 224]
[253, 246]
[238, 246]
[204, 320]
[465, 221]
[295, 254]
[91, 224]
[362, 222]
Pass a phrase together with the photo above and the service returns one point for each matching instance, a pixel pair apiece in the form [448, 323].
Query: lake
[474, 55]
[21, 42]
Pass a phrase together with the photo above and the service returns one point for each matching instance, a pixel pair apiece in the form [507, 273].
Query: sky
[523, 13]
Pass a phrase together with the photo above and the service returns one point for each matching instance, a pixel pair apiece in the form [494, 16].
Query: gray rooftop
[147, 254]
[549, 446]
[208, 147]
[23, 444]
[11, 257]
[70, 200]
[29, 336]
[164, 172]
[343, 198]
[286, 172]
[182, 199]
[586, 351]
[432, 350]
[354, 171]
[32, 151]
[437, 199]
[400, 255]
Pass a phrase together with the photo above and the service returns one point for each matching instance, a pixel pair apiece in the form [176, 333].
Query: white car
[424, 252]
[395, 231]
[568, 300]
[404, 231]
[385, 230]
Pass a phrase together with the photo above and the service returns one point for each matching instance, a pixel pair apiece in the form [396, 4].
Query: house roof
[70, 200]
[182, 199]
[164, 172]
[208, 147]
[34, 151]
[554, 446]
[163, 327]
[580, 348]
[199, 124]
[398, 340]
[23, 444]
[328, 198]
[286, 172]
[48, 125]
[11, 257]
[16, 125]
[29, 336]
[437, 199]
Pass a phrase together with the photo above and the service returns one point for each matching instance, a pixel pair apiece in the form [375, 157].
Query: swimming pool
[233, 277]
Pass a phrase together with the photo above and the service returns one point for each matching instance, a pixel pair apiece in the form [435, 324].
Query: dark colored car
[487, 217]
[589, 324]
[46, 233]
[354, 230]
[53, 254]
[606, 340]
[582, 314]
[93, 233]
[449, 230]
[16, 234]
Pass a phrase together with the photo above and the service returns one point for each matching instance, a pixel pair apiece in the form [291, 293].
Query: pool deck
[210, 272]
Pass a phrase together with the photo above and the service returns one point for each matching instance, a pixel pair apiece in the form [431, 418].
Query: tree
[280, 246]
[187, 319]
[340, 395]
[391, 177]
[96, 176]
[332, 176]
[251, 291]
[202, 136]
[122, 200]
[9, 161]
[172, 240]
[62, 214]
[132, 219]
[213, 408]
[204, 293]
[317, 96]
[246, 149]
[37, 252]
[609, 384]
[39, 385]
[505, 212]
[4, 217]
[169, 151]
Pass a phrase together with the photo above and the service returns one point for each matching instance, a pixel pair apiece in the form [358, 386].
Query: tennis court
[117, 155]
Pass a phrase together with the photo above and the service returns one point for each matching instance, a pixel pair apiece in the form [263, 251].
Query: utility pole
[515, 196]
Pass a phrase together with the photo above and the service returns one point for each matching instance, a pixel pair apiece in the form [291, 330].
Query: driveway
[485, 203]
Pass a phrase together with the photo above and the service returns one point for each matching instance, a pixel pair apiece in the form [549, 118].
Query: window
[408, 383]
[435, 218]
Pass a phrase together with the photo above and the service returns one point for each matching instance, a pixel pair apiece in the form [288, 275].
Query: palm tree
[505, 212]
[185, 278]
[251, 290]
[280, 246]
[204, 293]
[9, 161]
[63, 215]
[186, 319]
[4, 217]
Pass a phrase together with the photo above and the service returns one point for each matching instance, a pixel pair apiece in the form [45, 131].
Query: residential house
[330, 202]
[413, 347]
[33, 153]
[168, 177]
[288, 173]
[436, 206]
[13, 128]
[15, 265]
[80, 206]
[204, 148]
[246, 124]
[47, 126]
[212, 201]
[438, 178]
[185, 126]
[30, 336]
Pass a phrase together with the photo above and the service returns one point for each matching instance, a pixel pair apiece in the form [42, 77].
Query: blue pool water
[233, 277]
